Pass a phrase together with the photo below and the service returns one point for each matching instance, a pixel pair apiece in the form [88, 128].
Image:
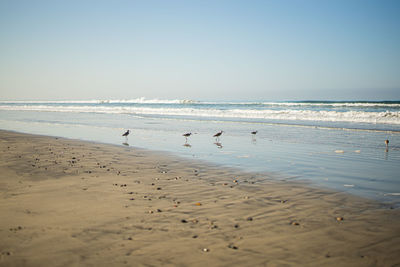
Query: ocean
[332, 144]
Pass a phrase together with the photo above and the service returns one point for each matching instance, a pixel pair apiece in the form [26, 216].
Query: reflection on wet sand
[218, 144]
[253, 140]
[125, 143]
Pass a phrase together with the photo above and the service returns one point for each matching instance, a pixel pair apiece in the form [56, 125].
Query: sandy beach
[73, 203]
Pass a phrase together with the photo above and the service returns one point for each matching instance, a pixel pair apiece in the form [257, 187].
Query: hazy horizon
[192, 100]
[205, 51]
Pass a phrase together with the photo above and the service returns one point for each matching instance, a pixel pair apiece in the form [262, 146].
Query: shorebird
[186, 135]
[126, 133]
[387, 143]
[254, 132]
[217, 135]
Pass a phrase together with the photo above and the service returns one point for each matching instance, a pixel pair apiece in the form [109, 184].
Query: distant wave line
[142, 100]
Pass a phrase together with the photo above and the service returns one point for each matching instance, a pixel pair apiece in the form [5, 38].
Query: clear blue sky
[204, 50]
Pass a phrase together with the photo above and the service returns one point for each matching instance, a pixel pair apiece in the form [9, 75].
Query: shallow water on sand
[355, 161]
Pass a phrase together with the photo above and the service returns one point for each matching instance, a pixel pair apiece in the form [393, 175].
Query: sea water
[338, 145]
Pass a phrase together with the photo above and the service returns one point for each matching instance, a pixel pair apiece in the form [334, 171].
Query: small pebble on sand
[206, 250]
[339, 219]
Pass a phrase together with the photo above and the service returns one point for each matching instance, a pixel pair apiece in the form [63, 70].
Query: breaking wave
[140, 100]
[383, 117]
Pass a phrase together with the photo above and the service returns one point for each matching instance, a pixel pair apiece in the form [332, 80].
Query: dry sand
[72, 203]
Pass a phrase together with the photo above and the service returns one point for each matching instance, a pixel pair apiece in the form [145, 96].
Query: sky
[201, 50]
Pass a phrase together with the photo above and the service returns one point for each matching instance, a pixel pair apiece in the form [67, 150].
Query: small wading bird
[126, 134]
[217, 135]
[253, 137]
[387, 143]
[186, 135]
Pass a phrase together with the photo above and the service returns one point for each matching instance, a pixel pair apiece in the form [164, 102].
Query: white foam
[140, 100]
[386, 117]
[392, 194]
[333, 104]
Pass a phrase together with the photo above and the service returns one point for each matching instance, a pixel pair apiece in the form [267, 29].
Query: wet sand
[72, 203]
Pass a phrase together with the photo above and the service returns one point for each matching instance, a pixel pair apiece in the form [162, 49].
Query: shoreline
[68, 202]
[305, 153]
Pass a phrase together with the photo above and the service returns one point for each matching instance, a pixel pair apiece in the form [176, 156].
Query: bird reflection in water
[187, 145]
[254, 140]
[218, 144]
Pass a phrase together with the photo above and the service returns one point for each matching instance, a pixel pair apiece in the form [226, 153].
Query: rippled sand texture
[65, 202]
